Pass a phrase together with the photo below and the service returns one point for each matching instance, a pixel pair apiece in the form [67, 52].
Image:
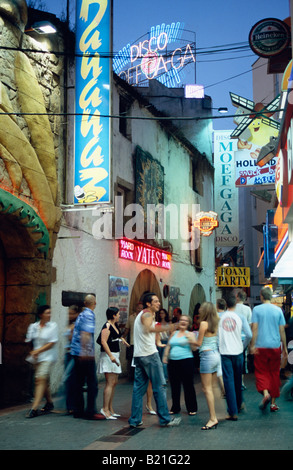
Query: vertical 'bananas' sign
[92, 102]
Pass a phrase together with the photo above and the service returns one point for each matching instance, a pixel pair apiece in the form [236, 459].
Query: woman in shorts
[110, 360]
[210, 359]
[44, 337]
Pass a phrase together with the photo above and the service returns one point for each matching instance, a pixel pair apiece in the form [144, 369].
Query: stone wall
[31, 153]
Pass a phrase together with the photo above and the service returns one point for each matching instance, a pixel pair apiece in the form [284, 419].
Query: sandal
[207, 428]
[47, 408]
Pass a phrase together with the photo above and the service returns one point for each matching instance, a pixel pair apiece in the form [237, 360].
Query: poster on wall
[92, 102]
[174, 300]
[118, 296]
[226, 194]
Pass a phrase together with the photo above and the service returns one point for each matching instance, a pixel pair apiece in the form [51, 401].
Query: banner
[226, 195]
[248, 173]
[92, 102]
[233, 277]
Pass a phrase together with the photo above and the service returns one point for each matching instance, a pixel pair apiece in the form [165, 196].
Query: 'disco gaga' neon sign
[150, 59]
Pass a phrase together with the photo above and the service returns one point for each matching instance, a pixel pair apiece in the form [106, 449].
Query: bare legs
[149, 394]
[109, 390]
[42, 389]
[207, 381]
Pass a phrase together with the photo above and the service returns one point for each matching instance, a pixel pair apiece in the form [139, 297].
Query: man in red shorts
[268, 330]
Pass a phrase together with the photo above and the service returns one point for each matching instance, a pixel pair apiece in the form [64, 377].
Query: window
[124, 111]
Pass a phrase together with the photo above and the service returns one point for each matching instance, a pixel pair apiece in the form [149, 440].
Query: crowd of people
[162, 350]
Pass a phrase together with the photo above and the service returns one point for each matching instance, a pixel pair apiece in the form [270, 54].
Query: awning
[284, 268]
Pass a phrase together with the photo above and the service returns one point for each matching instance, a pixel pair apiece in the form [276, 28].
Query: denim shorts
[210, 362]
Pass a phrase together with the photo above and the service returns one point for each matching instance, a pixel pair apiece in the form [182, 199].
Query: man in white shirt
[231, 349]
[148, 365]
[244, 310]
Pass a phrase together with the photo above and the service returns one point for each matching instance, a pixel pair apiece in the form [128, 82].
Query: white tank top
[144, 342]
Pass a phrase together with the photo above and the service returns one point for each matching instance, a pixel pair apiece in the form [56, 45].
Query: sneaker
[264, 403]
[136, 425]
[32, 414]
[174, 422]
[274, 407]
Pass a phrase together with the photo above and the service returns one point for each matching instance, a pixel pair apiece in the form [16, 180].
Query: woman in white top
[44, 337]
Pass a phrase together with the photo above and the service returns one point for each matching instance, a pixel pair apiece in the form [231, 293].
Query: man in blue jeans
[231, 349]
[148, 365]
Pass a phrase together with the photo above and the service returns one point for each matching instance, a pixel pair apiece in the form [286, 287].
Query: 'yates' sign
[133, 250]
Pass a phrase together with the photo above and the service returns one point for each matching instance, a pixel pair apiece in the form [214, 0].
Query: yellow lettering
[91, 121]
[94, 41]
[95, 157]
[94, 99]
[88, 65]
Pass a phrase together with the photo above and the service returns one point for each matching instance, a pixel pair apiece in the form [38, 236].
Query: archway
[25, 280]
[145, 281]
[197, 297]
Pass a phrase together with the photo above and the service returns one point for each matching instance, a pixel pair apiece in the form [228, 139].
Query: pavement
[254, 430]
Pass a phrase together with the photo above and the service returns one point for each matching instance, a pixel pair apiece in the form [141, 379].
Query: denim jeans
[232, 366]
[149, 368]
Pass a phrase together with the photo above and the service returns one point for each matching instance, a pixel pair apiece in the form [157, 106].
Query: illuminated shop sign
[92, 102]
[155, 57]
[206, 222]
[269, 37]
[231, 276]
[133, 250]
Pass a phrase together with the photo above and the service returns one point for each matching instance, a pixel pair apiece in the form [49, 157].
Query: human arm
[201, 332]
[247, 332]
[148, 323]
[104, 342]
[35, 353]
[254, 328]
[283, 339]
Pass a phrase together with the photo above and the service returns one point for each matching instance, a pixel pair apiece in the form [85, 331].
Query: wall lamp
[42, 27]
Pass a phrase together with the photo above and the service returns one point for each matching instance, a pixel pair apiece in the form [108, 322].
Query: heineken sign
[269, 37]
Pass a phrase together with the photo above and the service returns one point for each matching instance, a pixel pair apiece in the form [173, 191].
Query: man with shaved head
[83, 350]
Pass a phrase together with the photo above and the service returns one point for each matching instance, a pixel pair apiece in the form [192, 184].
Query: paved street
[254, 430]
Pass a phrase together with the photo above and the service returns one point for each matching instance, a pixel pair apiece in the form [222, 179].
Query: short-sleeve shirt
[269, 318]
[41, 336]
[86, 322]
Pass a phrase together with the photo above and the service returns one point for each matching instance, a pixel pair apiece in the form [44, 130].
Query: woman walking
[44, 337]
[210, 359]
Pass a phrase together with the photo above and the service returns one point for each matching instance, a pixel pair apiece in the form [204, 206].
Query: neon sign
[92, 98]
[206, 222]
[150, 59]
[138, 252]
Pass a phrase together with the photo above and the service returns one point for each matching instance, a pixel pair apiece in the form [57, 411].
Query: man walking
[268, 328]
[231, 349]
[83, 351]
[148, 365]
[244, 310]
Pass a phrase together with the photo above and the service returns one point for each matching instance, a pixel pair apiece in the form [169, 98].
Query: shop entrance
[24, 283]
[146, 281]
[196, 299]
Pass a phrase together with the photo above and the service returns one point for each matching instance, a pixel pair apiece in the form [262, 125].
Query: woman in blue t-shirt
[178, 355]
